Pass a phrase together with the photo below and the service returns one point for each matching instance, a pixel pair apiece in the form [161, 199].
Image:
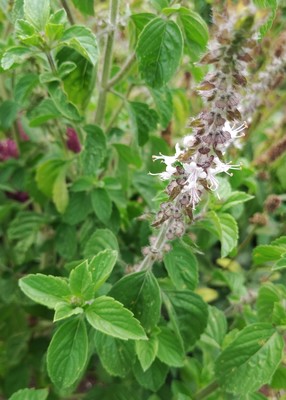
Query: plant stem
[202, 394]
[149, 260]
[51, 62]
[107, 60]
[118, 110]
[120, 74]
[68, 11]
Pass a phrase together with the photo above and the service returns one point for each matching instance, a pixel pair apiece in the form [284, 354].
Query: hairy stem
[149, 260]
[202, 394]
[124, 70]
[51, 62]
[107, 61]
[68, 11]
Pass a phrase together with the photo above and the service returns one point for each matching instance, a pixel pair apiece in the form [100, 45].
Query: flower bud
[272, 203]
[8, 149]
[259, 219]
[72, 142]
[19, 196]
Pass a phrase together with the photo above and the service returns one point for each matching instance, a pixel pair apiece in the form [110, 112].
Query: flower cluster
[269, 78]
[194, 167]
[8, 149]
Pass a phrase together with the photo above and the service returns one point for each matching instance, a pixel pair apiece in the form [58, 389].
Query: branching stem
[120, 74]
[107, 61]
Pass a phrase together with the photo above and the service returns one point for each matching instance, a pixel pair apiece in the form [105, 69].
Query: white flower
[194, 193]
[189, 140]
[219, 168]
[234, 132]
[194, 173]
[165, 175]
[169, 161]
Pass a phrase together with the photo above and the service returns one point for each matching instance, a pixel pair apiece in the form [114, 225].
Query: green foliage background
[77, 320]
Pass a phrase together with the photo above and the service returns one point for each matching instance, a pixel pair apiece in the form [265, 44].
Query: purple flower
[8, 149]
[18, 196]
[73, 143]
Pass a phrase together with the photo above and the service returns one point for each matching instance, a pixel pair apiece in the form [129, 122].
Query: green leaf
[280, 264]
[281, 242]
[27, 34]
[14, 55]
[146, 351]
[110, 317]
[250, 360]
[145, 120]
[227, 231]
[116, 356]
[83, 41]
[25, 223]
[164, 105]
[8, 114]
[65, 310]
[47, 174]
[279, 379]
[115, 191]
[170, 348]
[55, 27]
[182, 267]
[138, 21]
[30, 394]
[67, 353]
[146, 186]
[24, 87]
[279, 314]
[153, 378]
[86, 7]
[80, 281]
[60, 192]
[66, 68]
[101, 266]
[47, 290]
[59, 17]
[272, 5]
[159, 4]
[159, 51]
[216, 328]
[37, 12]
[102, 239]
[78, 208]
[128, 155]
[234, 199]
[266, 253]
[18, 10]
[188, 313]
[66, 241]
[140, 293]
[268, 295]
[266, 3]
[78, 82]
[94, 150]
[101, 204]
[43, 112]
[66, 108]
[195, 32]
[54, 31]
